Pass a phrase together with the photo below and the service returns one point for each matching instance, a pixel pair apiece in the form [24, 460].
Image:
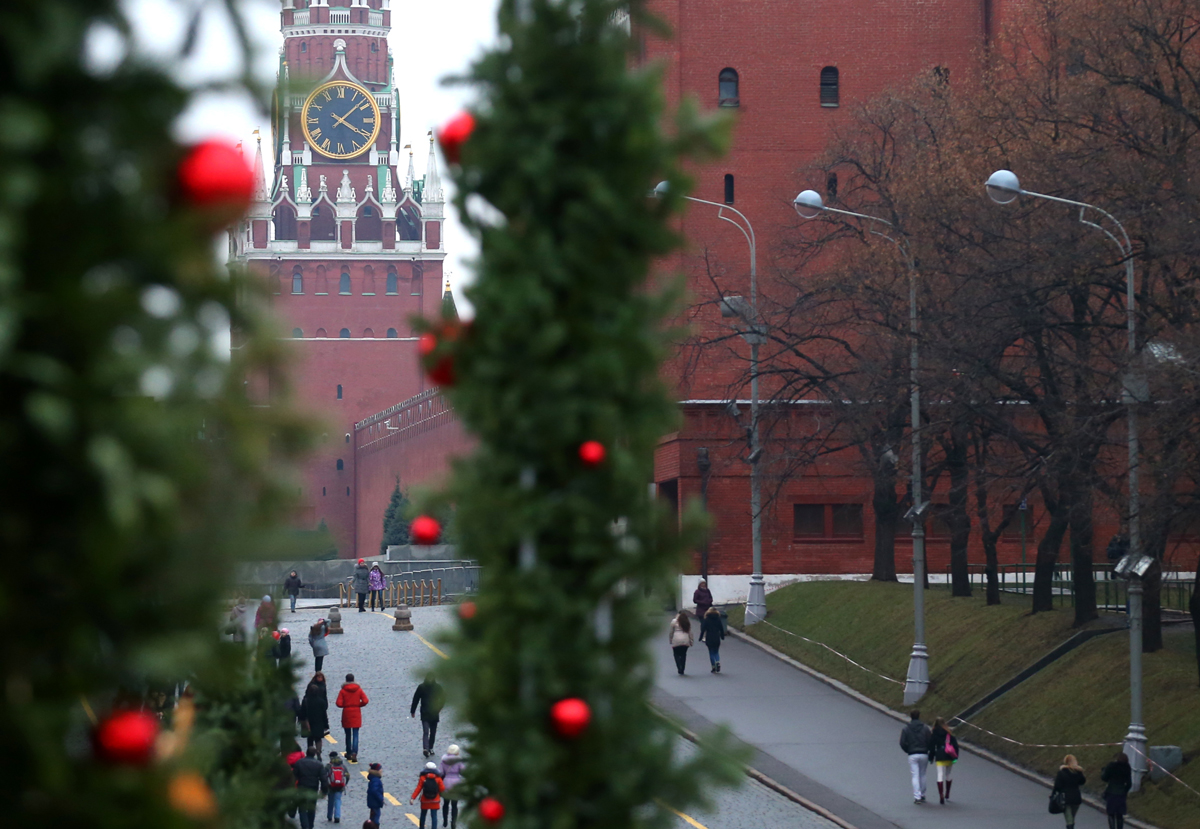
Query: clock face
[341, 120]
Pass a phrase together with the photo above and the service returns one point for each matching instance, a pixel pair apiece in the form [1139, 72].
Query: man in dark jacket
[914, 741]
[309, 773]
[291, 586]
[361, 584]
[431, 698]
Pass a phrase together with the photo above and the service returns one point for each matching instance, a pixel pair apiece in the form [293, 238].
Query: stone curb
[1028, 774]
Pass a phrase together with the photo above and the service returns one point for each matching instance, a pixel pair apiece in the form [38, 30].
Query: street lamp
[809, 205]
[1003, 187]
[756, 601]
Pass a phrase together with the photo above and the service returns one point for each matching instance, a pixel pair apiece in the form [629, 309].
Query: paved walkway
[838, 752]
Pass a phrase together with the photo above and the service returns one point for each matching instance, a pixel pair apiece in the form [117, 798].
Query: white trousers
[943, 772]
[918, 764]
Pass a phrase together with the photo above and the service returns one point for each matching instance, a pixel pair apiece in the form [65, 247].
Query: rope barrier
[1150, 763]
[1032, 745]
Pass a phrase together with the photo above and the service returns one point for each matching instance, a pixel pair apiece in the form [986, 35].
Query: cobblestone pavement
[389, 664]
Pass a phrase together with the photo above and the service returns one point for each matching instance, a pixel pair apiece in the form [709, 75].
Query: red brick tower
[349, 243]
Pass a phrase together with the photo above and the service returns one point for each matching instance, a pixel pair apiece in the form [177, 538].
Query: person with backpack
[1067, 782]
[375, 583]
[915, 741]
[711, 634]
[337, 778]
[318, 640]
[943, 752]
[375, 792]
[351, 700]
[430, 787]
[291, 586]
[1119, 779]
[361, 584]
[309, 774]
[314, 712]
[431, 698]
[680, 638]
[452, 775]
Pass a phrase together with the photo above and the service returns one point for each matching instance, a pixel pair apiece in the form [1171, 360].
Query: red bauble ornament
[466, 610]
[454, 133]
[442, 372]
[127, 737]
[276, 635]
[438, 368]
[215, 175]
[570, 717]
[427, 344]
[591, 452]
[491, 809]
[425, 530]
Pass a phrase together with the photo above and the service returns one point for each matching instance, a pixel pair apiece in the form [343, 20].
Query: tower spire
[410, 182]
[260, 178]
[433, 183]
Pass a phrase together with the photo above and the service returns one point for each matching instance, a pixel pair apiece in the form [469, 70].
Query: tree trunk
[1083, 581]
[959, 518]
[1154, 544]
[887, 517]
[1047, 558]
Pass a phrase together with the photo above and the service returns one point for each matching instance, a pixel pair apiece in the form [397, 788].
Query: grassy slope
[1081, 698]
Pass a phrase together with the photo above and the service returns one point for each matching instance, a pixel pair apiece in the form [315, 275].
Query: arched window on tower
[321, 334]
[727, 88]
[303, 45]
[374, 45]
[729, 188]
[344, 283]
[339, 391]
[408, 225]
[341, 465]
[297, 282]
[368, 334]
[418, 277]
[344, 333]
[368, 227]
[393, 283]
[285, 222]
[392, 333]
[830, 95]
[323, 227]
[297, 334]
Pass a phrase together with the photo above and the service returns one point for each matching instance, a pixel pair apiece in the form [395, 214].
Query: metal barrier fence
[419, 587]
[1177, 586]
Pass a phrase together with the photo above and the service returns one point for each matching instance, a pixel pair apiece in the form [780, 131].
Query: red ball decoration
[466, 610]
[591, 452]
[570, 717]
[215, 175]
[491, 809]
[454, 133]
[427, 344]
[425, 530]
[276, 635]
[127, 737]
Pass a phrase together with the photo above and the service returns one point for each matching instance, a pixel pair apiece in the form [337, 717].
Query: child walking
[452, 775]
[430, 787]
[375, 792]
[337, 777]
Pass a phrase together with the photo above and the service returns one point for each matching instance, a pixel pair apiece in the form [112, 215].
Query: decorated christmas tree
[135, 470]
[557, 377]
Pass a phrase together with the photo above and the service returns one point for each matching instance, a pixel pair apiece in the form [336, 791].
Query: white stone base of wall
[733, 589]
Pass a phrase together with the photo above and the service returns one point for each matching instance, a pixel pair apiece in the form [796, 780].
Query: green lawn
[1082, 698]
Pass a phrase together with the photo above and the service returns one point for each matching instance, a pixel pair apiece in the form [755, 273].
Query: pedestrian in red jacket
[430, 787]
[351, 700]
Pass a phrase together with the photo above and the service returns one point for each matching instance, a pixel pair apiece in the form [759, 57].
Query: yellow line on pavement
[363, 773]
[329, 737]
[413, 818]
[695, 823]
[391, 799]
[430, 645]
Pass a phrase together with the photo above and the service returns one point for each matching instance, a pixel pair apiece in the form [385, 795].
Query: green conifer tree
[395, 520]
[564, 348]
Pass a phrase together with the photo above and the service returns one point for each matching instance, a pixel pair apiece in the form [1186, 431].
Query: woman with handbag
[1119, 777]
[680, 638]
[943, 752]
[314, 712]
[1066, 783]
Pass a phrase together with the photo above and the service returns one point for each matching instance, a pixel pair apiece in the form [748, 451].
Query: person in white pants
[915, 741]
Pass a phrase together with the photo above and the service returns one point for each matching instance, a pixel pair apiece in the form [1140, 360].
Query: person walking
[337, 778]
[452, 776]
[291, 586]
[318, 640]
[430, 787]
[375, 792]
[375, 583]
[943, 753]
[1068, 780]
[264, 617]
[351, 700]
[1119, 777]
[703, 599]
[680, 638]
[283, 647]
[309, 774]
[314, 711]
[711, 634]
[915, 740]
[430, 697]
[361, 584]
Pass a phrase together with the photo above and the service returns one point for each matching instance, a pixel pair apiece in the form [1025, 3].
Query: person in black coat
[431, 698]
[711, 634]
[1068, 780]
[314, 711]
[1119, 777]
[310, 775]
[943, 753]
[291, 586]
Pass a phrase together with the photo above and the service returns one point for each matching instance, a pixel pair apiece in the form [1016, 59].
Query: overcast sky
[429, 40]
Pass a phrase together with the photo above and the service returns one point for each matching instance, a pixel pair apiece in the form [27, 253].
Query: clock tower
[346, 238]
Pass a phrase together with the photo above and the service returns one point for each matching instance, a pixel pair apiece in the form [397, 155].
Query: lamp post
[756, 601]
[809, 205]
[1004, 187]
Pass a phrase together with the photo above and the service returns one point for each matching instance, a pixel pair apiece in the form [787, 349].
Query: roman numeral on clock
[325, 144]
[341, 91]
